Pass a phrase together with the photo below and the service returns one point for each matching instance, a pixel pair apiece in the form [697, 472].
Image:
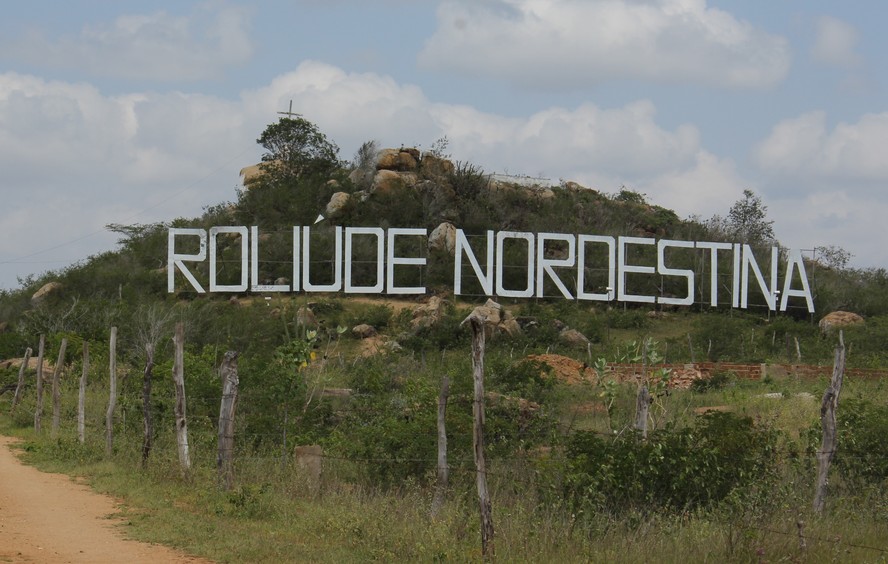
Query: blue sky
[133, 112]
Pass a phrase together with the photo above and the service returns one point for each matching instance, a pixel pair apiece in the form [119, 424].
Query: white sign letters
[564, 270]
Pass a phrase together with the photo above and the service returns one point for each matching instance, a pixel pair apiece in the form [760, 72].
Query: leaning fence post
[477, 320]
[147, 422]
[112, 394]
[828, 422]
[81, 396]
[643, 399]
[20, 386]
[443, 469]
[56, 391]
[179, 381]
[38, 410]
[224, 462]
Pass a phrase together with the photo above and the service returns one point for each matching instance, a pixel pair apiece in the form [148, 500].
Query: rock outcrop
[45, 291]
[443, 238]
[495, 319]
[428, 314]
[363, 331]
[401, 160]
[386, 181]
[839, 319]
[433, 165]
[573, 338]
[336, 205]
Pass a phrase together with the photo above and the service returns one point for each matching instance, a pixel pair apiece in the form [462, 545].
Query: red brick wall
[749, 371]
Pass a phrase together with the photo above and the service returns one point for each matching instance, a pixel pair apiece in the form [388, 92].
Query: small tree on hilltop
[298, 145]
[748, 220]
[293, 187]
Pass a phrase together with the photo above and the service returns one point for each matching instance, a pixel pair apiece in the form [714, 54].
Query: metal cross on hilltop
[289, 113]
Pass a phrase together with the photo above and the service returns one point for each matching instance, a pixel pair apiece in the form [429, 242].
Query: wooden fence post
[56, 391]
[147, 422]
[20, 386]
[828, 422]
[477, 321]
[81, 396]
[112, 394]
[443, 469]
[643, 399]
[224, 458]
[38, 410]
[179, 382]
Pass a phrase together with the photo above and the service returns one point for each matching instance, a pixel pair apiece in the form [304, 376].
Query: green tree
[748, 219]
[364, 164]
[299, 147]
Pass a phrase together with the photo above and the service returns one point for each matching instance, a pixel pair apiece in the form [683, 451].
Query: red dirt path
[49, 518]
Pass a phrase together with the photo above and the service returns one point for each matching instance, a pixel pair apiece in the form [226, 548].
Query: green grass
[273, 514]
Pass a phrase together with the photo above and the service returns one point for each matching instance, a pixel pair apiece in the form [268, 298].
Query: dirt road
[48, 518]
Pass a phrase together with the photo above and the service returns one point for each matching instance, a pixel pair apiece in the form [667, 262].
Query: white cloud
[349, 107]
[804, 147]
[835, 43]
[705, 189]
[574, 43]
[75, 159]
[833, 217]
[156, 46]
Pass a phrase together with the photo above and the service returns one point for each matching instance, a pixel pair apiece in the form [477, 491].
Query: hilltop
[339, 394]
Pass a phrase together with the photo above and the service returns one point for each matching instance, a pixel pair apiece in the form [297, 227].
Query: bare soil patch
[50, 518]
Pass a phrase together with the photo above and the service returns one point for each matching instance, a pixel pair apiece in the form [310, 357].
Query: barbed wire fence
[253, 453]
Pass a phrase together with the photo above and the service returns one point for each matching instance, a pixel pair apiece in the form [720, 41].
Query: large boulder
[495, 319]
[572, 186]
[45, 291]
[573, 338]
[434, 165]
[428, 314]
[443, 238]
[386, 181]
[336, 205]
[254, 173]
[305, 317]
[838, 319]
[510, 327]
[491, 312]
[403, 160]
[251, 174]
[363, 331]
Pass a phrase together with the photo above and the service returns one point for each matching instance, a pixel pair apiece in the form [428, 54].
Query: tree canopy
[299, 146]
[748, 219]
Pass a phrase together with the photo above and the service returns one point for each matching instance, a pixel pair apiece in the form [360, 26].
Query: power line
[187, 188]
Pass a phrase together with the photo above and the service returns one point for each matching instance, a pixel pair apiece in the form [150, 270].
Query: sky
[137, 112]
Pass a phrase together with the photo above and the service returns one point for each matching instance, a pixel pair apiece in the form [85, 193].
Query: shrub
[716, 381]
[679, 469]
[377, 315]
[628, 319]
[525, 379]
[13, 345]
[862, 453]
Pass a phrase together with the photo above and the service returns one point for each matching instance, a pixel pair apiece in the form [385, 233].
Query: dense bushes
[674, 468]
[391, 420]
[862, 455]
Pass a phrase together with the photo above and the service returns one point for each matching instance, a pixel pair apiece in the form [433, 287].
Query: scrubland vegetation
[570, 478]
